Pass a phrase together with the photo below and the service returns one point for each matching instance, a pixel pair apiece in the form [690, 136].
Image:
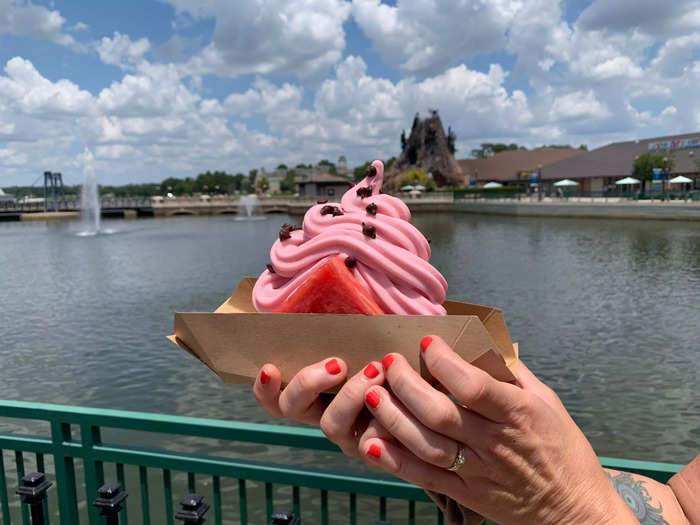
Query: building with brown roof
[598, 169]
[324, 185]
[513, 167]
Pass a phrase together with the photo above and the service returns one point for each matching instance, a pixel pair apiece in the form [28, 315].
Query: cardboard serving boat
[235, 341]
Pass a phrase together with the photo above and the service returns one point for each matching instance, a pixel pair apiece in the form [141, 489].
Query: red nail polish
[374, 451]
[264, 378]
[333, 367]
[425, 342]
[371, 371]
[386, 362]
[372, 399]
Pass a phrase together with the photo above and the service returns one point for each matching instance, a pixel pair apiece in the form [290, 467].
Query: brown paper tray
[235, 340]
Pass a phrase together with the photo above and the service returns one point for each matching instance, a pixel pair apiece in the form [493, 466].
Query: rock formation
[427, 148]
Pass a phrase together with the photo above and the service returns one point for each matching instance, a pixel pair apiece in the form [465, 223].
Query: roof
[507, 165]
[326, 178]
[617, 159]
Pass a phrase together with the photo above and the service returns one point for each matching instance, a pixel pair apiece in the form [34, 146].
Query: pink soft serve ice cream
[389, 255]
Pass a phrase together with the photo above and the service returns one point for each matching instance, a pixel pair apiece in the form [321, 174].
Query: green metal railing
[75, 449]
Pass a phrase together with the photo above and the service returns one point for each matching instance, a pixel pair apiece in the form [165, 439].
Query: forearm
[650, 501]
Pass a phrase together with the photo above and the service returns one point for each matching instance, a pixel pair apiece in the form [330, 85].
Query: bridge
[184, 206]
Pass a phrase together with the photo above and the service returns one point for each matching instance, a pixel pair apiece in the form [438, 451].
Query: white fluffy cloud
[121, 51]
[304, 37]
[24, 18]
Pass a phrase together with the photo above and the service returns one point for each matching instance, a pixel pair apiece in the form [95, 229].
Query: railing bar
[122, 481]
[242, 502]
[145, 508]
[191, 485]
[324, 507]
[269, 503]
[40, 467]
[65, 472]
[168, 497]
[382, 508]
[440, 517]
[296, 501]
[216, 489]
[90, 436]
[3, 491]
[353, 508]
[19, 461]
[411, 512]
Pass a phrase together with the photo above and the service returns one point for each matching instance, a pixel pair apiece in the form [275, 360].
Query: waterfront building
[323, 185]
[513, 167]
[597, 170]
[342, 165]
[4, 197]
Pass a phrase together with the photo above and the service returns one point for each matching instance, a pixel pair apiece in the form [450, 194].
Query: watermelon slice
[331, 289]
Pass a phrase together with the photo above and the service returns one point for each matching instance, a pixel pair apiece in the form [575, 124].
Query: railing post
[284, 517]
[192, 510]
[109, 501]
[33, 492]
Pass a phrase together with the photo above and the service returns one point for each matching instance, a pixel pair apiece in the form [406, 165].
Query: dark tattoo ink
[637, 498]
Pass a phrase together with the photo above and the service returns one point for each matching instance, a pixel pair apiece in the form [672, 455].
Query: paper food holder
[235, 340]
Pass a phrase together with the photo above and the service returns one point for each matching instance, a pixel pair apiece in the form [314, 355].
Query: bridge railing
[73, 451]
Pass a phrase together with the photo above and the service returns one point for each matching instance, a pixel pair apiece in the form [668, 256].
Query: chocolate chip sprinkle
[270, 268]
[369, 230]
[364, 191]
[331, 210]
[350, 261]
[324, 201]
[371, 209]
[286, 231]
[371, 170]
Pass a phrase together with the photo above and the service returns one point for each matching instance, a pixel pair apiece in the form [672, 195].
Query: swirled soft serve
[363, 256]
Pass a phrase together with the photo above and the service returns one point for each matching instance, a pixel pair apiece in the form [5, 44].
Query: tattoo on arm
[637, 498]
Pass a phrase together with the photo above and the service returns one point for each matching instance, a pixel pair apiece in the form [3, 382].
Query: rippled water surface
[606, 312]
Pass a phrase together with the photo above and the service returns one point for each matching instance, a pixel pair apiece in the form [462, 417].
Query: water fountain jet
[89, 198]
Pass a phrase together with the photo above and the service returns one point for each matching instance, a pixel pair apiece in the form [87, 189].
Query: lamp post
[690, 154]
[663, 179]
[539, 182]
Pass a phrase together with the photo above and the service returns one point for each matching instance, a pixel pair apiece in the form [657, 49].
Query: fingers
[471, 386]
[531, 383]
[300, 400]
[433, 408]
[428, 445]
[405, 465]
[266, 390]
[340, 420]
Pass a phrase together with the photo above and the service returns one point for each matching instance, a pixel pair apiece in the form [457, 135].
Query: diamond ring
[460, 458]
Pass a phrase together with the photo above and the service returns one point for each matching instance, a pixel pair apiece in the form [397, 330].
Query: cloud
[121, 51]
[304, 37]
[24, 18]
[578, 105]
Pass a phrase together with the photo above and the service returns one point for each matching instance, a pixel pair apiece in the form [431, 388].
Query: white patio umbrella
[407, 187]
[419, 188]
[566, 182]
[680, 180]
[489, 185]
[628, 180]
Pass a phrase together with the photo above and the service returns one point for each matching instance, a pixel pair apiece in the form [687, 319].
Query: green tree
[287, 184]
[252, 174]
[327, 165]
[644, 165]
[488, 149]
[360, 171]
[389, 163]
[418, 178]
[282, 167]
[262, 185]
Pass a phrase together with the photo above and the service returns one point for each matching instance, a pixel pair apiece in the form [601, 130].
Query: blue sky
[175, 87]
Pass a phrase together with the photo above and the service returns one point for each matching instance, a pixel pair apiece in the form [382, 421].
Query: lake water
[606, 312]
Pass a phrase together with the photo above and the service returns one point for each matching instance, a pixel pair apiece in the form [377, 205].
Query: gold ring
[460, 458]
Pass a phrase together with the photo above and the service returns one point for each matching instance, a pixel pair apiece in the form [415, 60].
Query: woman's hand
[526, 461]
[344, 420]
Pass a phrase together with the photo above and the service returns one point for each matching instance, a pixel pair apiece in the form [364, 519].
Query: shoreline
[590, 209]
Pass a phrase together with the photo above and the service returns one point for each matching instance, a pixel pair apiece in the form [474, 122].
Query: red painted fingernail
[386, 362]
[425, 342]
[374, 451]
[264, 378]
[333, 367]
[371, 371]
[372, 399]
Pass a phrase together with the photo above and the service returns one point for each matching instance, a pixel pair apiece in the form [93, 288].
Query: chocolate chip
[270, 268]
[286, 231]
[332, 210]
[371, 209]
[350, 261]
[324, 201]
[369, 230]
[364, 191]
[371, 171]
[337, 212]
